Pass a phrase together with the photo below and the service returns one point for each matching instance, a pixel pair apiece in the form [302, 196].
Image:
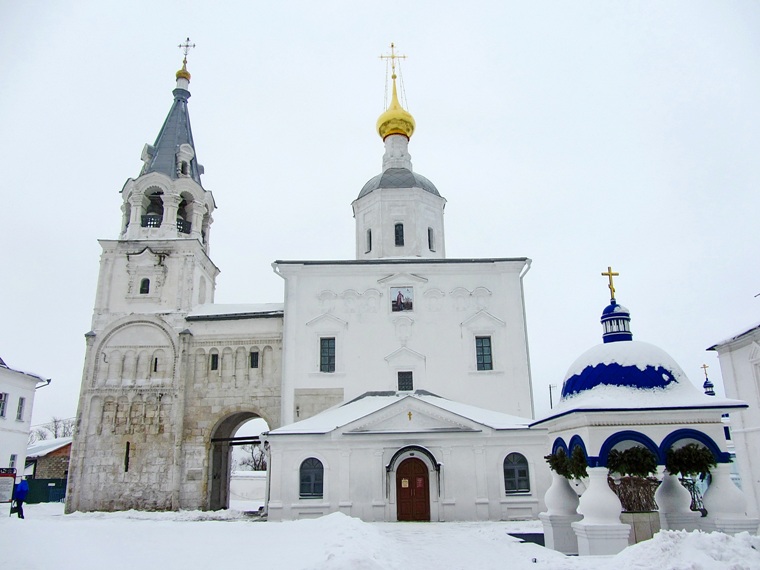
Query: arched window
[312, 476]
[144, 286]
[516, 479]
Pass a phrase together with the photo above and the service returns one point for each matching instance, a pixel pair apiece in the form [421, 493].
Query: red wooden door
[412, 491]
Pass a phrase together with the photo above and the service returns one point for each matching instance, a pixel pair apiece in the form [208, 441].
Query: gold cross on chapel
[393, 57]
[610, 274]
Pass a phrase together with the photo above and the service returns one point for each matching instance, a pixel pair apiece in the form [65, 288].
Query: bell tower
[160, 261]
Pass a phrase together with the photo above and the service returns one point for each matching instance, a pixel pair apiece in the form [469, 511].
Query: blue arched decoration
[558, 444]
[628, 435]
[685, 433]
[577, 441]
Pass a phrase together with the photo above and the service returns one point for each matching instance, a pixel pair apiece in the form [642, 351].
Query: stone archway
[220, 457]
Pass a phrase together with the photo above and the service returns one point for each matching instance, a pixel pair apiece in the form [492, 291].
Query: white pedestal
[601, 539]
[681, 521]
[730, 525]
[558, 532]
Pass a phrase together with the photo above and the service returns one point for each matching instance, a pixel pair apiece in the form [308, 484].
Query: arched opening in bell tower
[237, 460]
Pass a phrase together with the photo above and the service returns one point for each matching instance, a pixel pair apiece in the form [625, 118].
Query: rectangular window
[214, 362]
[483, 352]
[3, 402]
[327, 354]
[369, 241]
[399, 232]
[20, 409]
[431, 240]
[405, 382]
[254, 359]
[12, 462]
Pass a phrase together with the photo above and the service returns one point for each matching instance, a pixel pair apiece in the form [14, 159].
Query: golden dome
[183, 73]
[396, 120]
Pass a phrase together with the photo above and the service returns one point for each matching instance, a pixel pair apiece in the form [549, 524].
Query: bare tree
[55, 428]
[254, 459]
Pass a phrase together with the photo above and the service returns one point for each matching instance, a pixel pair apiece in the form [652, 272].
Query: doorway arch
[220, 456]
[412, 490]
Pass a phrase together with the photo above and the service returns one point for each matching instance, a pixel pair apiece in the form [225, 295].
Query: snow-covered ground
[47, 539]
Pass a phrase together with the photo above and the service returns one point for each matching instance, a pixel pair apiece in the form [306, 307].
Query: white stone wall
[14, 433]
[740, 368]
[453, 303]
[470, 486]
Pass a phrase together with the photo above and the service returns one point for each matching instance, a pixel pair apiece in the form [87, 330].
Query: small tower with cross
[616, 319]
[398, 213]
[707, 385]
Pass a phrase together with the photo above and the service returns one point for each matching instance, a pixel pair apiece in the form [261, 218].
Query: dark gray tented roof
[175, 131]
[398, 178]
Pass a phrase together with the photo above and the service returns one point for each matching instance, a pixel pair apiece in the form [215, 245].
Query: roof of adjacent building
[372, 402]
[221, 312]
[735, 337]
[46, 446]
[398, 178]
[25, 373]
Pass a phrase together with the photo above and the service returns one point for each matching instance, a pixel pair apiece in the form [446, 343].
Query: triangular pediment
[327, 318]
[401, 279]
[404, 355]
[482, 318]
[410, 415]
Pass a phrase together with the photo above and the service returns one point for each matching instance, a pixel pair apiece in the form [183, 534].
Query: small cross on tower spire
[184, 73]
[610, 274]
[393, 57]
[704, 368]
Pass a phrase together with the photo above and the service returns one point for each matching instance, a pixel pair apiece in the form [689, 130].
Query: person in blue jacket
[20, 491]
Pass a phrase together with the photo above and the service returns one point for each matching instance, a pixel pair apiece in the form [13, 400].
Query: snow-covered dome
[632, 364]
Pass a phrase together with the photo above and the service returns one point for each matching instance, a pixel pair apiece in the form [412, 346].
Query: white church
[396, 384]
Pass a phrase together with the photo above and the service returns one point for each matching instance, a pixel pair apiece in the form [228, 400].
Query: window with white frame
[516, 476]
[483, 352]
[405, 381]
[327, 354]
[13, 459]
[3, 403]
[20, 409]
[312, 475]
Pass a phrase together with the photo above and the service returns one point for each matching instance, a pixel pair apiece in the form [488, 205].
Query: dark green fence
[46, 490]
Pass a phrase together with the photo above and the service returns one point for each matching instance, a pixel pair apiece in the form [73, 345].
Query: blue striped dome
[633, 364]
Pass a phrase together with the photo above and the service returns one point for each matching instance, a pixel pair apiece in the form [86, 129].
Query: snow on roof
[30, 374]
[366, 405]
[636, 357]
[45, 446]
[211, 310]
[735, 337]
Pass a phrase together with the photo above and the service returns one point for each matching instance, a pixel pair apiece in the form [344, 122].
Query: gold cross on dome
[185, 47]
[704, 367]
[393, 57]
[610, 274]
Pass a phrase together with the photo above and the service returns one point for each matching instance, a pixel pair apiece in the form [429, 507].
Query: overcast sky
[578, 134]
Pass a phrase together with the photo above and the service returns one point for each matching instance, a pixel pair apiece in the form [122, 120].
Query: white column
[600, 531]
[674, 502]
[561, 511]
[726, 505]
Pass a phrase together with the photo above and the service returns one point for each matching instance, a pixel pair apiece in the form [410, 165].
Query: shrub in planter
[636, 488]
[690, 460]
